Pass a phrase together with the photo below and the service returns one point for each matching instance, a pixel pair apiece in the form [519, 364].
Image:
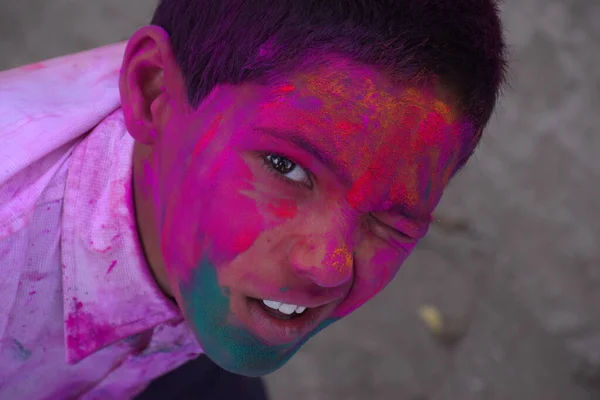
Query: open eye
[287, 169]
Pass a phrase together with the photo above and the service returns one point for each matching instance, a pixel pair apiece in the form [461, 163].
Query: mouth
[280, 324]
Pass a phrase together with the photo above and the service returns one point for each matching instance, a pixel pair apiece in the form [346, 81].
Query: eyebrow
[301, 141]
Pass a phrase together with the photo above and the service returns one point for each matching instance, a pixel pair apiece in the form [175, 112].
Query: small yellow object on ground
[432, 318]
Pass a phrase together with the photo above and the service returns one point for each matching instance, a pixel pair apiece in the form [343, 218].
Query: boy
[236, 178]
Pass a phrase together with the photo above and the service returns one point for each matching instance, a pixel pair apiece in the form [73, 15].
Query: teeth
[287, 308]
[284, 308]
[272, 304]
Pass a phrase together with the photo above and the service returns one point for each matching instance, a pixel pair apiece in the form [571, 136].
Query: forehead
[340, 102]
[343, 93]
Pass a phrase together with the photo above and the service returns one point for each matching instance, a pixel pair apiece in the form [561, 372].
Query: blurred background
[509, 277]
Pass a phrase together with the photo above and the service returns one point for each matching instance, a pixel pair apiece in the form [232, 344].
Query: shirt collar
[109, 292]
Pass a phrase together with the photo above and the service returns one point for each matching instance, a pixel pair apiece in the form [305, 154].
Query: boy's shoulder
[44, 107]
[55, 100]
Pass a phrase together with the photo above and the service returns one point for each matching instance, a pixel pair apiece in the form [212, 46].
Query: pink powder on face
[420, 156]
[229, 240]
[431, 129]
[345, 128]
[243, 240]
[357, 194]
[227, 187]
[208, 136]
[379, 170]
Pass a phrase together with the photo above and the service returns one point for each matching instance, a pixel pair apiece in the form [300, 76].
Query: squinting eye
[287, 169]
[386, 230]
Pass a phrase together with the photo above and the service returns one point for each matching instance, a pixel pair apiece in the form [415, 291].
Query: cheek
[372, 277]
[283, 209]
[211, 215]
[231, 218]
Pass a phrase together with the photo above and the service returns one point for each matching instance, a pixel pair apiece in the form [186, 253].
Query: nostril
[327, 276]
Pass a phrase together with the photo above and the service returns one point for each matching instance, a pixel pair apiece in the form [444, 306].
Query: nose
[326, 262]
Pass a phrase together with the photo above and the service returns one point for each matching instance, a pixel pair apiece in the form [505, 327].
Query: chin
[248, 357]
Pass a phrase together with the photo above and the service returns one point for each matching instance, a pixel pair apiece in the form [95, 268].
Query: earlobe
[142, 82]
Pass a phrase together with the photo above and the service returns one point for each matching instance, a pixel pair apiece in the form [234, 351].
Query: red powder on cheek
[284, 208]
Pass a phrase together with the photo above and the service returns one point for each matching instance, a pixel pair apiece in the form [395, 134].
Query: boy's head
[294, 151]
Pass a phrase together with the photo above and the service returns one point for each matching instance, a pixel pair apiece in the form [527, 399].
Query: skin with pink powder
[311, 190]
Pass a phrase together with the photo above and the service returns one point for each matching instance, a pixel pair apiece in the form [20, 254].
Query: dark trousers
[203, 380]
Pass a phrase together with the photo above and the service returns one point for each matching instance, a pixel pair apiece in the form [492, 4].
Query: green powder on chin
[233, 348]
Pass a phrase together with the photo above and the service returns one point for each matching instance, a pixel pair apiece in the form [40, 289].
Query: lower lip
[276, 331]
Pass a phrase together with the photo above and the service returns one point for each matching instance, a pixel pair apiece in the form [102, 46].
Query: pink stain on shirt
[34, 276]
[111, 266]
[75, 344]
[33, 67]
[85, 335]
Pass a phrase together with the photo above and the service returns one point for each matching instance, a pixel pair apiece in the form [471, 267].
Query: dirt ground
[513, 264]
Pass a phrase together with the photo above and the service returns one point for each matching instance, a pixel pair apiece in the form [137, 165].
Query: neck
[145, 221]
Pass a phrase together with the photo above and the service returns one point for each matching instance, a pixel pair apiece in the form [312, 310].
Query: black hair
[458, 42]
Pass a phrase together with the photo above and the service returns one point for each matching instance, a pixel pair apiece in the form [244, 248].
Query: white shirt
[81, 316]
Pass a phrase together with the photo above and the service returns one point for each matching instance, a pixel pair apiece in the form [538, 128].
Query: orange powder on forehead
[425, 99]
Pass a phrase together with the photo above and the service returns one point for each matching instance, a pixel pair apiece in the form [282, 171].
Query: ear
[150, 83]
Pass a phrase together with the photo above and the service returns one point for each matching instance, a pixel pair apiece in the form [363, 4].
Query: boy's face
[310, 192]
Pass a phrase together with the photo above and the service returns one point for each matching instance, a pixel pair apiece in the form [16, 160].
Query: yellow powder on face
[340, 260]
